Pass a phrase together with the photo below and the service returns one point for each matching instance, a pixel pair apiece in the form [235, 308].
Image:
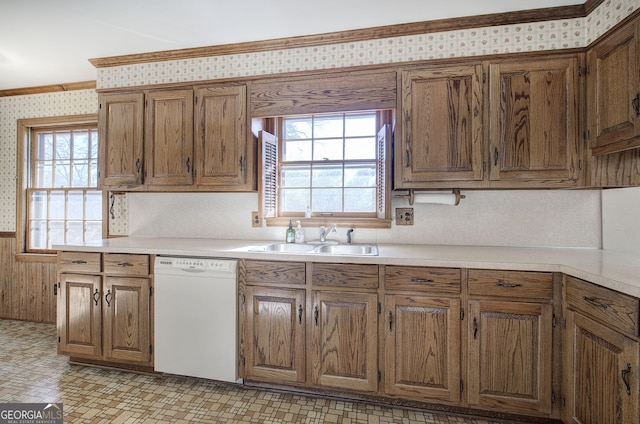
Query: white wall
[557, 218]
[621, 219]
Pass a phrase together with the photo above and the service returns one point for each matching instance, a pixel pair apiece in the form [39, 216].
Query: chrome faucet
[324, 232]
[349, 231]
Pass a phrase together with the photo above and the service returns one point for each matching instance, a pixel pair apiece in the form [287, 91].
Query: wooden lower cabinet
[105, 316]
[510, 355]
[422, 347]
[601, 373]
[344, 340]
[275, 324]
[127, 319]
[80, 315]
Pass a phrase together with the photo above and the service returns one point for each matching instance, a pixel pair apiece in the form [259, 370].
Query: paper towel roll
[435, 197]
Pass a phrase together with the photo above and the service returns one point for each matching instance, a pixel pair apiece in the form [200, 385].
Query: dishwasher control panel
[201, 264]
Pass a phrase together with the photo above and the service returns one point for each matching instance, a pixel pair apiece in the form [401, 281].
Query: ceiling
[45, 42]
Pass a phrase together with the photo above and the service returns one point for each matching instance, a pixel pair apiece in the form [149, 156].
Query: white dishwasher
[195, 327]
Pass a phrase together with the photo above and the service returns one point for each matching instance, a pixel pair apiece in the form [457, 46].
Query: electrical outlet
[404, 216]
[255, 219]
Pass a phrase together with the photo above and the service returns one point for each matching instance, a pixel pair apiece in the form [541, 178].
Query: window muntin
[63, 203]
[328, 164]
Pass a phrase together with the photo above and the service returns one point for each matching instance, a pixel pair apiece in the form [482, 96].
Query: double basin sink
[326, 249]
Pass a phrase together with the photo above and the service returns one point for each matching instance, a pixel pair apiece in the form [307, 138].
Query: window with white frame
[63, 203]
[331, 166]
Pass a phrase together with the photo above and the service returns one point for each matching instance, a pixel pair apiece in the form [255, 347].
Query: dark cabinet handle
[390, 321]
[636, 104]
[475, 328]
[96, 297]
[407, 157]
[594, 301]
[299, 314]
[188, 164]
[495, 156]
[138, 165]
[107, 298]
[241, 164]
[625, 378]
[315, 314]
[124, 264]
[503, 284]
[421, 280]
[79, 262]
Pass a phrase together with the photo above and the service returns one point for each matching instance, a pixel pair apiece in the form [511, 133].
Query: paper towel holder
[411, 196]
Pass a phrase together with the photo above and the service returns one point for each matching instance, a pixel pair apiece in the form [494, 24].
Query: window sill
[326, 221]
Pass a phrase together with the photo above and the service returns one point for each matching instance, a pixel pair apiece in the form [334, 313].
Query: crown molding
[54, 88]
[519, 17]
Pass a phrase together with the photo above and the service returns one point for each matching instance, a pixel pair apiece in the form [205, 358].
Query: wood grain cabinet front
[276, 328]
[510, 340]
[187, 139]
[533, 122]
[601, 355]
[105, 316]
[442, 139]
[613, 91]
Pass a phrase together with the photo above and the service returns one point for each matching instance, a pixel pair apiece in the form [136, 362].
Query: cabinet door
[534, 122]
[613, 91]
[601, 373]
[510, 358]
[127, 319]
[120, 128]
[422, 347]
[169, 137]
[221, 138]
[441, 126]
[275, 335]
[79, 315]
[344, 340]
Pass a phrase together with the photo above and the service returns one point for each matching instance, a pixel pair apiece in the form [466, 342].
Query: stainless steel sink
[322, 249]
[349, 249]
[289, 248]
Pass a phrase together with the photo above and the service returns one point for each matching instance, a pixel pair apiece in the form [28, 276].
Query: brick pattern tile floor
[31, 371]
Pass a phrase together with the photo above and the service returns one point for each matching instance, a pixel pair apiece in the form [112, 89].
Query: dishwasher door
[195, 327]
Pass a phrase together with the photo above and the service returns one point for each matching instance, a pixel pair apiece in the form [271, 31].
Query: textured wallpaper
[31, 106]
[549, 35]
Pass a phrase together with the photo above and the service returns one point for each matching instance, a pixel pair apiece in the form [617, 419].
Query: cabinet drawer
[613, 309]
[126, 264]
[79, 262]
[264, 272]
[345, 275]
[515, 284]
[422, 279]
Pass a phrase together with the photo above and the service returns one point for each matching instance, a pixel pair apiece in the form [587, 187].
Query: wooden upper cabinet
[533, 122]
[120, 128]
[613, 91]
[224, 159]
[169, 137]
[442, 137]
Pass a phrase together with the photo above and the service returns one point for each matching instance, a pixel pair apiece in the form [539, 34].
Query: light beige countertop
[615, 270]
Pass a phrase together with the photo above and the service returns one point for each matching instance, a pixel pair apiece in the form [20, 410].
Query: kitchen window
[61, 201]
[329, 168]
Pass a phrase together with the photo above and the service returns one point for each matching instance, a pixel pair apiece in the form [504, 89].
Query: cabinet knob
[96, 297]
